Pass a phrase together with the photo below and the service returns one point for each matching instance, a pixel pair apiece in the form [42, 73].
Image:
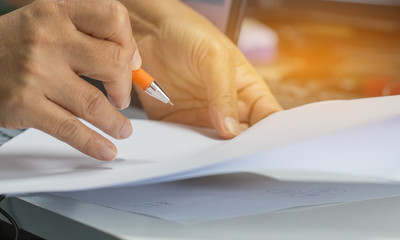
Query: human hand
[44, 47]
[209, 81]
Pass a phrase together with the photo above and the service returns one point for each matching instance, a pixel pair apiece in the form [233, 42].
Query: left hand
[206, 76]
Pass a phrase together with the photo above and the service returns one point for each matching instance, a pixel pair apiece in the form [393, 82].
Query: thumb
[222, 95]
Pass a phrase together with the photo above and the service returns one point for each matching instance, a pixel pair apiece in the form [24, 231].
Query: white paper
[159, 151]
[226, 196]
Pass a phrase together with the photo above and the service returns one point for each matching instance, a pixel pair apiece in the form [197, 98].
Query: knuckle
[120, 15]
[117, 58]
[209, 50]
[226, 100]
[93, 102]
[30, 28]
[67, 129]
[43, 9]
[35, 34]
[215, 49]
[88, 145]
[29, 69]
[38, 36]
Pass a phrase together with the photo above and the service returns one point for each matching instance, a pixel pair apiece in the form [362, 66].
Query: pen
[146, 82]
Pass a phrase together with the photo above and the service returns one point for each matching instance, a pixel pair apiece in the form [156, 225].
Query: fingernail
[244, 126]
[128, 102]
[126, 130]
[107, 153]
[114, 104]
[136, 60]
[232, 125]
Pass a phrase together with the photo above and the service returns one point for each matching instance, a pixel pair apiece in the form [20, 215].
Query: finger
[103, 19]
[256, 102]
[117, 89]
[255, 98]
[64, 126]
[195, 117]
[221, 91]
[86, 101]
[105, 61]
[109, 19]
[261, 108]
[244, 126]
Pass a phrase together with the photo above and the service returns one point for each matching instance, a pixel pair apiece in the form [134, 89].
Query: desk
[62, 218]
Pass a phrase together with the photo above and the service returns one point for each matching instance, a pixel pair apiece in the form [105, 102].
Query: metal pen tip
[170, 103]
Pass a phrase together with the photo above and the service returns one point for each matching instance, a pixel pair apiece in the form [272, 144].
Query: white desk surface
[54, 217]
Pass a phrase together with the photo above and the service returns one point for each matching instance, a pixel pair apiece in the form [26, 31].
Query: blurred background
[313, 50]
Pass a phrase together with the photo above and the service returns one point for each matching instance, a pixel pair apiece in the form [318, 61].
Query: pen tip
[170, 103]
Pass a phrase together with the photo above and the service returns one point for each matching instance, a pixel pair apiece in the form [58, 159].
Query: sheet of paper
[159, 151]
[226, 196]
[368, 152]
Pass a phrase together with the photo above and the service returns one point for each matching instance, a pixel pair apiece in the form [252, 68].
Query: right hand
[208, 79]
[44, 47]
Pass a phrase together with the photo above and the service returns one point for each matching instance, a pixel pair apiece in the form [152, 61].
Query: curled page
[327, 137]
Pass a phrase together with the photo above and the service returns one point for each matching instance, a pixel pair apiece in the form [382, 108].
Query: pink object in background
[258, 42]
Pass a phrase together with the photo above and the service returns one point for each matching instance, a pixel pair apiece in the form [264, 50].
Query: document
[342, 141]
[226, 196]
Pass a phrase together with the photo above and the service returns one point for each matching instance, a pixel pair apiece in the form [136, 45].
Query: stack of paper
[226, 196]
[334, 141]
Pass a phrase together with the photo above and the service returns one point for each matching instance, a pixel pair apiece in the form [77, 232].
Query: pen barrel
[142, 79]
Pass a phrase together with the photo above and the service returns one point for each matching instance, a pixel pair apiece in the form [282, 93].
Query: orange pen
[146, 82]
